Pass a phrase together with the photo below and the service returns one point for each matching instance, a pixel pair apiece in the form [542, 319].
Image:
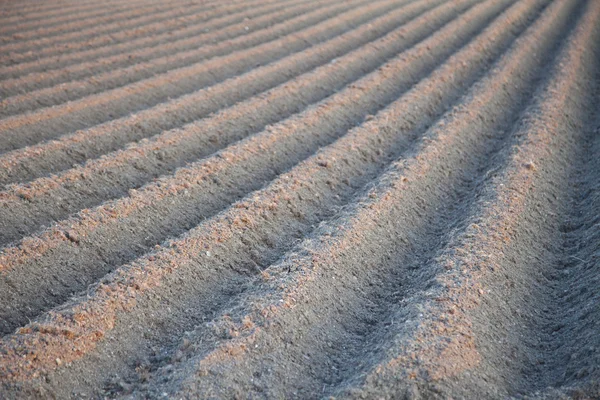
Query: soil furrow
[298, 35]
[118, 15]
[119, 77]
[118, 42]
[31, 162]
[37, 18]
[313, 128]
[145, 24]
[114, 174]
[299, 199]
[143, 29]
[492, 291]
[297, 331]
[227, 27]
[52, 19]
[568, 344]
[319, 179]
[35, 13]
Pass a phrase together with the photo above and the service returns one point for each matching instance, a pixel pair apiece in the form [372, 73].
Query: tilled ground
[300, 199]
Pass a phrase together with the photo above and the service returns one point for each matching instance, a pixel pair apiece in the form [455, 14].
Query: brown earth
[300, 199]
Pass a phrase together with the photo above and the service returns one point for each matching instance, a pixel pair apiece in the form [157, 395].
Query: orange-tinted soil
[300, 199]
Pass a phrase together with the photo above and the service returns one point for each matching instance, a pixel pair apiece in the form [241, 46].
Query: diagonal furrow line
[29, 20]
[145, 24]
[315, 309]
[117, 77]
[326, 178]
[300, 199]
[90, 110]
[36, 13]
[61, 26]
[568, 326]
[50, 20]
[227, 27]
[54, 56]
[118, 42]
[318, 132]
[31, 162]
[30, 17]
[504, 251]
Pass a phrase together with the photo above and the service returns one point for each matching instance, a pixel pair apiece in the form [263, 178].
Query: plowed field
[348, 199]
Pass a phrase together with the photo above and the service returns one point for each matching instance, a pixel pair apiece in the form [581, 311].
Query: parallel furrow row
[52, 27]
[567, 329]
[292, 36]
[29, 20]
[56, 55]
[210, 262]
[298, 330]
[494, 278]
[145, 24]
[300, 199]
[226, 27]
[118, 77]
[23, 12]
[324, 123]
[31, 162]
[118, 42]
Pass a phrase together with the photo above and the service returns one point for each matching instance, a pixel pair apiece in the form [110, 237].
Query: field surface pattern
[356, 199]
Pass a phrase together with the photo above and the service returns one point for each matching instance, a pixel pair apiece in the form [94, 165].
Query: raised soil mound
[300, 199]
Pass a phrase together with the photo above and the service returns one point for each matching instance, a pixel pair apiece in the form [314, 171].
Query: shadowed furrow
[31, 16]
[300, 199]
[80, 21]
[294, 331]
[118, 42]
[147, 23]
[25, 12]
[318, 163]
[30, 162]
[123, 76]
[226, 27]
[141, 162]
[54, 121]
[490, 292]
[315, 128]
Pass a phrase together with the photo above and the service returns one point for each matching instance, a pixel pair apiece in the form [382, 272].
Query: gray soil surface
[390, 199]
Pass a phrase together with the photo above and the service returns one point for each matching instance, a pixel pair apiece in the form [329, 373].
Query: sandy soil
[300, 199]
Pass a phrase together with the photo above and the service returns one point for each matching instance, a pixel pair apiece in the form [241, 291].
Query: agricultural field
[357, 199]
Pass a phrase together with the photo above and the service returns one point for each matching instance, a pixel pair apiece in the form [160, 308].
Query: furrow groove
[31, 162]
[118, 77]
[227, 27]
[55, 56]
[80, 22]
[144, 24]
[112, 175]
[316, 127]
[36, 12]
[299, 199]
[27, 18]
[104, 46]
[293, 331]
[90, 110]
